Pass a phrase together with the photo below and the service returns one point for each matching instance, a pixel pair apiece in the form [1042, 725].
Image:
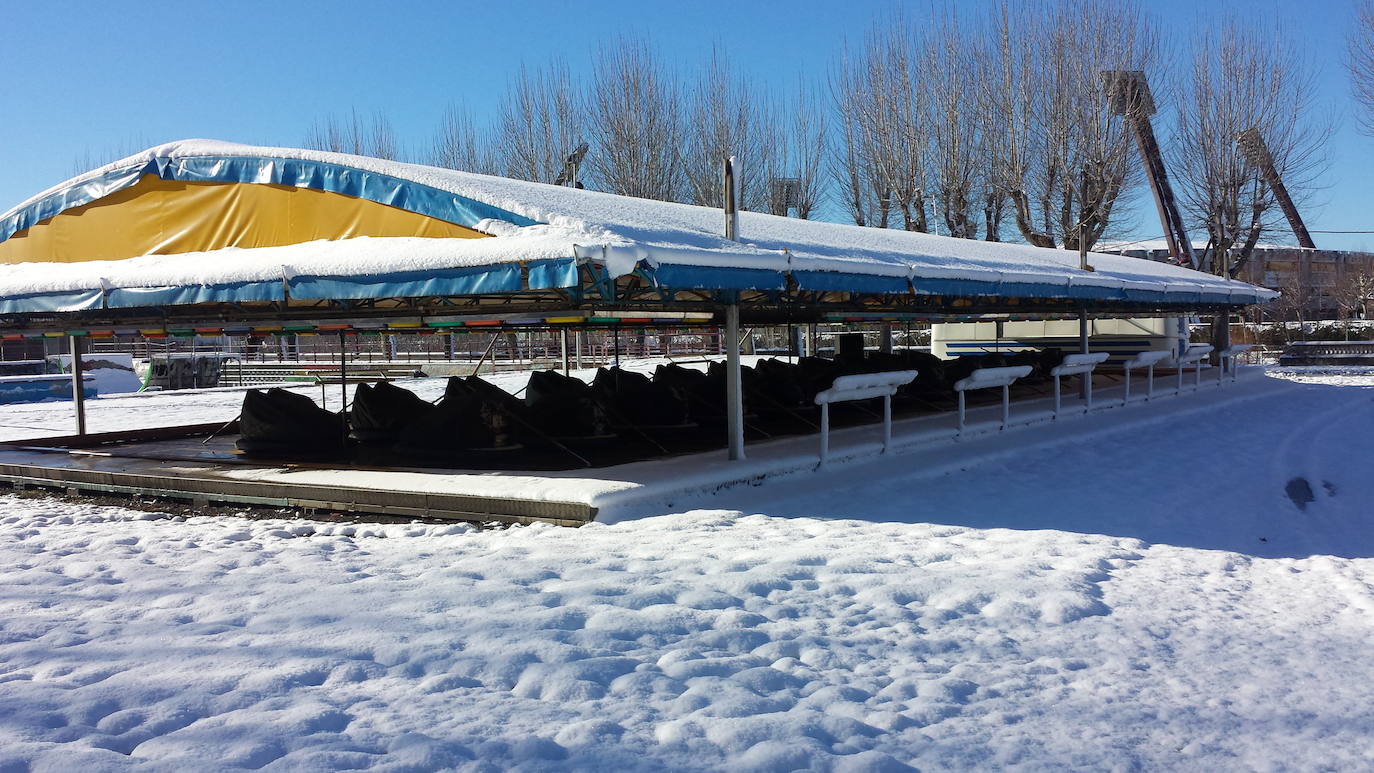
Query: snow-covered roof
[539, 222]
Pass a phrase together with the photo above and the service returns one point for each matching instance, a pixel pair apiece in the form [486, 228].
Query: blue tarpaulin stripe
[416, 284]
[855, 283]
[545, 274]
[134, 297]
[715, 278]
[80, 300]
[300, 173]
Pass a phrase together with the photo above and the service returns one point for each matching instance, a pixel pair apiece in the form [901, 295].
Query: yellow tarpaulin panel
[161, 217]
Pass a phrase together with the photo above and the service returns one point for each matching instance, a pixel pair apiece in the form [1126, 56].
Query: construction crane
[1128, 94]
[1251, 143]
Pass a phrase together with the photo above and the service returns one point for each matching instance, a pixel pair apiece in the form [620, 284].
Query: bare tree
[1009, 76]
[1243, 79]
[460, 145]
[1360, 62]
[881, 99]
[1296, 296]
[799, 152]
[726, 116]
[635, 123]
[956, 123]
[352, 134]
[1059, 155]
[540, 123]
[1354, 290]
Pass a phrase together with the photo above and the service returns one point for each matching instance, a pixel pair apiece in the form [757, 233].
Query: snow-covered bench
[861, 386]
[1195, 354]
[1081, 365]
[986, 378]
[1147, 360]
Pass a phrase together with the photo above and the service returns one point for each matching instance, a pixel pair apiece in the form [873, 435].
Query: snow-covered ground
[1192, 592]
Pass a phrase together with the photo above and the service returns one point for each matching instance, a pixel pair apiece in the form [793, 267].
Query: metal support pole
[885, 345]
[961, 413]
[1149, 382]
[1056, 397]
[887, 422]
[1083, 348]
[563, 340]
[1197, 376]
[812, 340]
[615, 339]
[1127, 399]
[78, 385]
[577, 358]
[825, 432]
[1006, 405]
[1179, 378]
[734, 394]
[1088, 388]
[343, 385]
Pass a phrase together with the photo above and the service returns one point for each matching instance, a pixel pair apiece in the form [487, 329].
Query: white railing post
[986, 378]
[825, 432]
[861, 386]
[887, 422]
[1081, 365]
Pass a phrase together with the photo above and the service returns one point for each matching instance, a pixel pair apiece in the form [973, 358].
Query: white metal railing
[1147, 360]
[986, 378]
[1228, 358]
[1195, 354]
[862, 386]
[1081, 365]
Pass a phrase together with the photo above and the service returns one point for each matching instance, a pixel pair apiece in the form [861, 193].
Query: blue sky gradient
[88, 81]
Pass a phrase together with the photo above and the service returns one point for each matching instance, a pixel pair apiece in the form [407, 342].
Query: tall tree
[1059, 155]
[881, 99]
[635, 123]
[726, 116]
[1243, 78]
[956, 123]
[541, 123]
[461, 145]
[1360, 62]
[354, 134]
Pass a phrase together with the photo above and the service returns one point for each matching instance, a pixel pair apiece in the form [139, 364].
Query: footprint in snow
[1300, 492]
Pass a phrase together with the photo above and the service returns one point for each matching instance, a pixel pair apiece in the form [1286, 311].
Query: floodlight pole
[78, 385]
[734, 396]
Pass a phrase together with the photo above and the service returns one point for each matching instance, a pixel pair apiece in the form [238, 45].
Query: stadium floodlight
[569, 174]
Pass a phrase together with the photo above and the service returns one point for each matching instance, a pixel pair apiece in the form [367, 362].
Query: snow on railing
[1194, 356]
[1081, 365]
[1147, 360]
[1227, 357]
[861, 386]
[986, 378]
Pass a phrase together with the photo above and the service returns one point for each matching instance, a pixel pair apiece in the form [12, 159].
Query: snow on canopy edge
[633, 230]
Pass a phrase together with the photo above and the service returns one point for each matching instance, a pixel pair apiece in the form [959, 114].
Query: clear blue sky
[89, 79]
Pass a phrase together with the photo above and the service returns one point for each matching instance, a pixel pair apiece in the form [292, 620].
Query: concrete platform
[175, 463]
